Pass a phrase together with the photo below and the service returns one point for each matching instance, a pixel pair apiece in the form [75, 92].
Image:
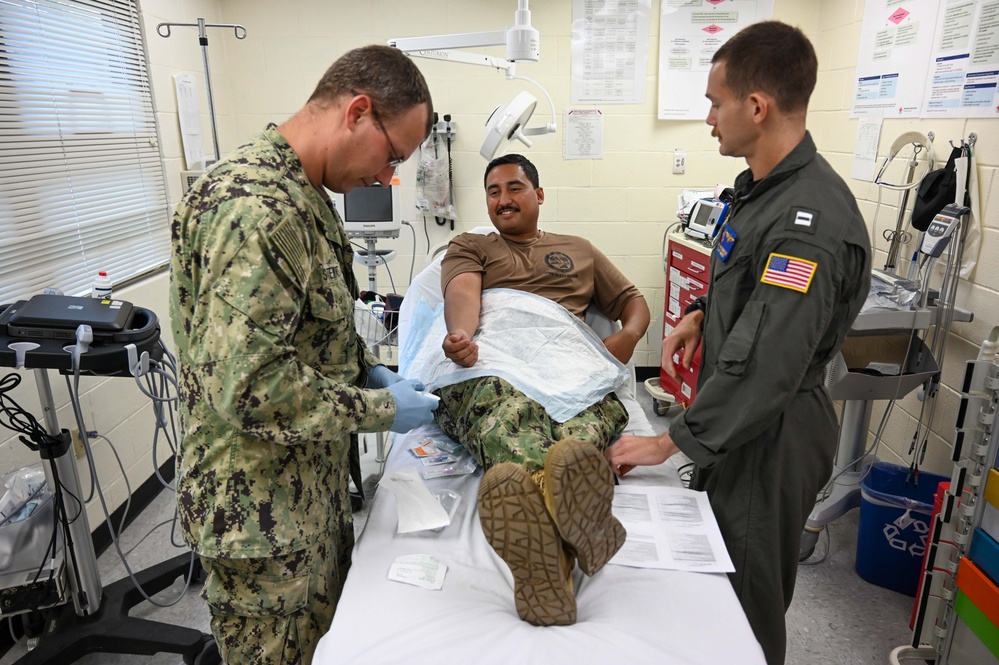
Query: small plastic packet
[426, 449]
[448, 446]
[420, 570]
[433, 460]
[449, 500]
[460, 467]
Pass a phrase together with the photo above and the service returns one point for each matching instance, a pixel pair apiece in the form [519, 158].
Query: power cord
[669, 229]
[34, 436]
[384, 263]
[412, 258]
[815, 562]
[158, 399]
[450, 168]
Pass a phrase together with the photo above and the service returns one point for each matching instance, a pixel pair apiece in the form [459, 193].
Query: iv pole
[203, 40]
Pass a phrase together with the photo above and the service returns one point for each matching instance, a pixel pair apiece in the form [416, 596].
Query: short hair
[530, 170]
[387, 74]
[771, 57]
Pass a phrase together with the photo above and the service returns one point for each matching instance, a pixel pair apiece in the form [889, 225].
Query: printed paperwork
[670, 528]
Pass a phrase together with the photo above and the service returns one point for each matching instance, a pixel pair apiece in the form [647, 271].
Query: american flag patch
[789, 272]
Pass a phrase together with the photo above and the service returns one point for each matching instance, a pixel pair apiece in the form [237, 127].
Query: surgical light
[509, 121]
[507, 124]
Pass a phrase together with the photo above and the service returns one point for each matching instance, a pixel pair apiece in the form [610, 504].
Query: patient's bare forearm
[462, 304]
[634, 322]
[636, 317]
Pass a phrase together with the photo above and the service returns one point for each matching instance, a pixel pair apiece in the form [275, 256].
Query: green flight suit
[762, 431]
[271, 394]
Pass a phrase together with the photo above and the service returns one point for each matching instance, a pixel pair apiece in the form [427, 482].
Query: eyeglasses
[395, 160]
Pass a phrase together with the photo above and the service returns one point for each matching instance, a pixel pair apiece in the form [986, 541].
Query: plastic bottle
[101, 287]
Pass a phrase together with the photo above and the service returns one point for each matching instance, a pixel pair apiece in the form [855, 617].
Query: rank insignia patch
[789, 272]
[802, 220]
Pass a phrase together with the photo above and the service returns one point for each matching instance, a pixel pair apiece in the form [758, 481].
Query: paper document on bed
[671, 528]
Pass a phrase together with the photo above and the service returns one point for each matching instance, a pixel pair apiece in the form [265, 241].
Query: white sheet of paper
[894, 55]
[670, 528]
[865, 154]
[190, 119]
[689, 35]
[420, 570]
[610, 46]
[419, 510]
[583, 137]
[961, 81]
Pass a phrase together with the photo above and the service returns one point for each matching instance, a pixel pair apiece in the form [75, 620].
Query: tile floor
[836, 617]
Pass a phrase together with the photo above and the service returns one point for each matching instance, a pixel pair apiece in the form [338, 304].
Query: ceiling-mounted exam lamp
[509, 121]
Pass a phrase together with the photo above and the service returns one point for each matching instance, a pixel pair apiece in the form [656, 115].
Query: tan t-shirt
[563, 268]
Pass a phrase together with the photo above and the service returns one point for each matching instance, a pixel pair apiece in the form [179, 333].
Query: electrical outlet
[679, 161]
[77, 443]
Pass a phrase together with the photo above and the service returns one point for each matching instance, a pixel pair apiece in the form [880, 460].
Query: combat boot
[517, 525]
[579, 491]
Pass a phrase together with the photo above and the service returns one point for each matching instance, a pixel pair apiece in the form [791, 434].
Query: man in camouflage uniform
[545, 500]
[789, 273]
[275, 383]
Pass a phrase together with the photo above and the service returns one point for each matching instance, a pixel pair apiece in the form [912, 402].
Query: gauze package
[535, 344]
[418, 508]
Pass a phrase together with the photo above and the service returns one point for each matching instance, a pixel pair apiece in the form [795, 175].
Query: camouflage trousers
[272, 611]
[497, 423]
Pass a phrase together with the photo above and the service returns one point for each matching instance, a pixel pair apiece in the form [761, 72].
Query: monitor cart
[97, 620]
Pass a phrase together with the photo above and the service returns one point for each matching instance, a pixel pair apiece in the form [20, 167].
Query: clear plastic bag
[449, 500]
[26, 491]
[433, 186]
[464, 465]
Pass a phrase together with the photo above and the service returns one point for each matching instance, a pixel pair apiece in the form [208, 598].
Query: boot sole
[517, 525]
[579, 490]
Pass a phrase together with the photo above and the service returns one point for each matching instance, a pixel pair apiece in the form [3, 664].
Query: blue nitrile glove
[381, 376]
[412, 408]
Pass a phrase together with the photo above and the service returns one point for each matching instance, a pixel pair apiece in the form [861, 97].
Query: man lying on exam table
[545, 500]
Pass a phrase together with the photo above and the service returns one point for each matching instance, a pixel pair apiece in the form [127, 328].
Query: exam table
[625, 615]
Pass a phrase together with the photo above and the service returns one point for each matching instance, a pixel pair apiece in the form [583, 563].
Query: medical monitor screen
[702, 215]
[370, 211]
[368, 204]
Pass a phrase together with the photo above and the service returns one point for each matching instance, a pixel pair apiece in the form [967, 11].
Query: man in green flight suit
[789, 273]
[275, 382]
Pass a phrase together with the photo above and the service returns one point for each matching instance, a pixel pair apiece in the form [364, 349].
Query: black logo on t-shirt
[559, 262]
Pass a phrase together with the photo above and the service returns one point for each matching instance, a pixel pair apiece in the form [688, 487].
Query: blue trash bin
[894, 525]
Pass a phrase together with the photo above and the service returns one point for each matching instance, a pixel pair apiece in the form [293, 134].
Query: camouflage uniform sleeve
[277, 356]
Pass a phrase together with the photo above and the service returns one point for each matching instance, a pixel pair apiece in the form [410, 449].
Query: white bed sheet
[625, 615]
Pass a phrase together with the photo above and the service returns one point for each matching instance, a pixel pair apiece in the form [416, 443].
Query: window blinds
[81, 180]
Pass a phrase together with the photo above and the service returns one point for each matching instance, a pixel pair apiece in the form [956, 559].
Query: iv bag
[433, 186]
